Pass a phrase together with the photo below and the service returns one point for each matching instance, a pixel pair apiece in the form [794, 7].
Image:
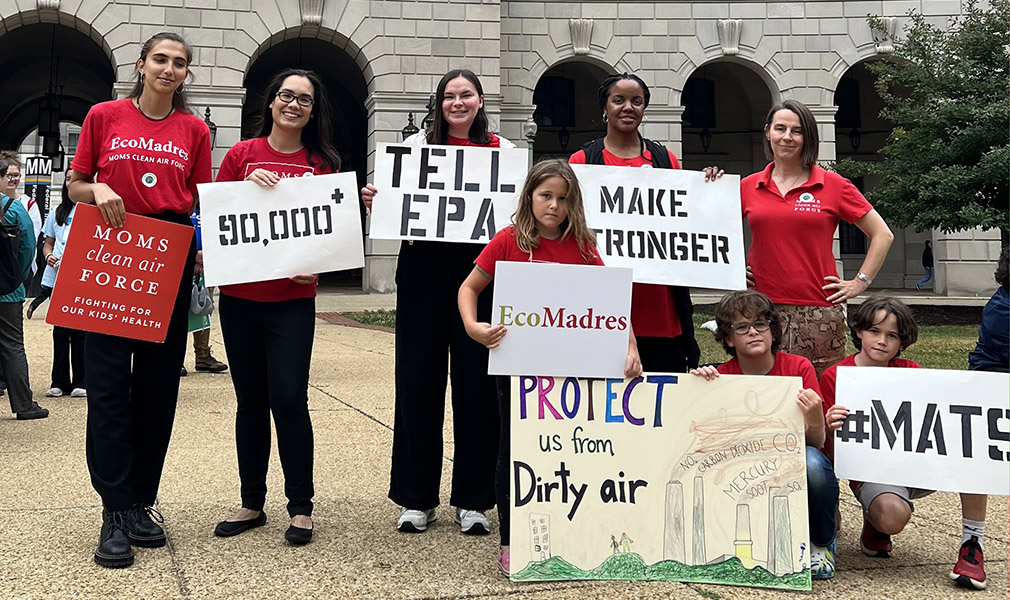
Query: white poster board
[925, 428]
[301, 225]
[669, 225]
[445, 193]
[561, 319]
[666, 477]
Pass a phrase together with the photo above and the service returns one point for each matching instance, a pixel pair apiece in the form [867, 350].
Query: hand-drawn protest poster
[302, 225]
[561, 319]
[924, 428]
[445, 193]
[661, 477]
[669, 225]
[122, 281]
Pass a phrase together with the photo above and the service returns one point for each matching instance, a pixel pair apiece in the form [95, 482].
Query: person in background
[205, 361]
[927, 265]
[12, 339]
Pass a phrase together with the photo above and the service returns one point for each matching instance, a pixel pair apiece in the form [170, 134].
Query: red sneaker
[968, 571]
[874, 543]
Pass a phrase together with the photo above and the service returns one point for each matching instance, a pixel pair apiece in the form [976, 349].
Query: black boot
[141, 528]
[113, 546]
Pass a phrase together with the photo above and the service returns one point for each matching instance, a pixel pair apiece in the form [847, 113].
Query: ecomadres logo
[142, 143]
[560, 318]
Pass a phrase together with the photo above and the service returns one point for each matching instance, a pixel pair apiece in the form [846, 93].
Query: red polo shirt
[790, 251]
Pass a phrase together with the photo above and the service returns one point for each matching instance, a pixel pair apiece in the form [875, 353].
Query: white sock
[971, 529]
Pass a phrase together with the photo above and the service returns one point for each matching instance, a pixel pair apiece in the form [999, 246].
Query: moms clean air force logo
[807, 203]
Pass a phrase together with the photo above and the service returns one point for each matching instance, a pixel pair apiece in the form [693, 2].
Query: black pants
[68, 354]
[664, 355]
[501, 479]
[431, 340]
[132, 393]
[269, 346]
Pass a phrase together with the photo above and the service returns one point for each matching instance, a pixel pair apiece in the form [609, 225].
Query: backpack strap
[660, 157]
[6, 207]
[594, 151]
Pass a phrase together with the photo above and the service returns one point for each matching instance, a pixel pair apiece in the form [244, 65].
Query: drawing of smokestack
[780, 549]
[743, 543]
[673, 533]
[698, 529]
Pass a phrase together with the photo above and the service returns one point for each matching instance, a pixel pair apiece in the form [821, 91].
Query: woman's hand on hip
[110, 204]
[304, 278]
[844, 289]
[263, 178]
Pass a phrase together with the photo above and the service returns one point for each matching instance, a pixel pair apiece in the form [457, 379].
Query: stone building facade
[714, 68]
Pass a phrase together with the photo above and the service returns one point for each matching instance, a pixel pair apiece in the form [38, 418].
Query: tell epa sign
[121, 282]
[445, 193]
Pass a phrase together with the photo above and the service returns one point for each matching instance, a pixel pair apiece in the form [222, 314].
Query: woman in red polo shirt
[431, 339]
[660, 314]
[268, 326]
[793, 208]
[134, 385]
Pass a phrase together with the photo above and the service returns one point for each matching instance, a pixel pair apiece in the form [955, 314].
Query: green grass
[382, 318]
[938, 347]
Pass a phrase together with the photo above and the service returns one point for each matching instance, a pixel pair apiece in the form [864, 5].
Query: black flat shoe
[230, 528]
[298, 536]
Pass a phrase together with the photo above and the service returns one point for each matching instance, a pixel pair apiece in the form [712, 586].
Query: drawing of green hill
[630, 566]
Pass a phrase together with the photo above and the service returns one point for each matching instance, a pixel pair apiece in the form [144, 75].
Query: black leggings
[269, 346]
[501, 479]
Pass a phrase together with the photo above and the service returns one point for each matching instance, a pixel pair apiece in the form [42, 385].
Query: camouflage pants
[816, 332]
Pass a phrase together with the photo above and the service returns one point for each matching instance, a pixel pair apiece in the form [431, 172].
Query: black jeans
[132, 395]
[68, 355]
[431, 340]
[664, 355]
[269, 346]
[12, 356]
[501, 479]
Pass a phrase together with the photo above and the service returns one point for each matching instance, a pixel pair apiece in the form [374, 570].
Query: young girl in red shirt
[549, 225]
[268, 326]
[144, 154]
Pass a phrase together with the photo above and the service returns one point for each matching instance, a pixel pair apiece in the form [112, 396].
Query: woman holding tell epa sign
[661, 314]
[268, 326]
[792, 209]
[431, 340]
[133, 385]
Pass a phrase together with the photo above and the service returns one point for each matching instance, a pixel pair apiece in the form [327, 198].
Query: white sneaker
[79, 393]
[472, 522]
[54, 392]
[415, 521]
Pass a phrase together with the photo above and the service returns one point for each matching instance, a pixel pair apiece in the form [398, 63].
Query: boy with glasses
[749, 328]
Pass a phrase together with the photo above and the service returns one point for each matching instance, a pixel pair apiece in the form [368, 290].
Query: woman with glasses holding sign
[133, 385]
[661, 315]
[268, 326]
[431, 340]
[792, 209]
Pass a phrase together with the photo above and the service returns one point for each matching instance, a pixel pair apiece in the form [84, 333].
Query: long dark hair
[318, 132]
[439, 132]
[179, 100]
[807, 123]
[66, 205]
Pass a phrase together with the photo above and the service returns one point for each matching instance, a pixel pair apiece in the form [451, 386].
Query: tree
[945, 91]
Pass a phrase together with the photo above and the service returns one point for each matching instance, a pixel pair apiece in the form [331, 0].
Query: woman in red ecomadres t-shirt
[140, 155]
[268, 326]
[431, 338]
[660, 314]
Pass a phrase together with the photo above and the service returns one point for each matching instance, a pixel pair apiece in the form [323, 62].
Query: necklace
[783, 187]
[136, 102]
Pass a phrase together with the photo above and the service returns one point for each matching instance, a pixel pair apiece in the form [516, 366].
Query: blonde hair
[574, 226]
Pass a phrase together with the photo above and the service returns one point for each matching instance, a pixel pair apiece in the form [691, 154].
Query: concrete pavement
[50, 516]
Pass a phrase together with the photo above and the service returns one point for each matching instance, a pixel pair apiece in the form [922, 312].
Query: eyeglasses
[13, 176]
[304, 100]
[744, 327]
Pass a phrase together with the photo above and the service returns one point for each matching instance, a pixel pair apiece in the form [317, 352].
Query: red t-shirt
[455, 141]
[503, 247]
[244, 158]
[829, 379]
[653, 312]
[790, 251]
[153, 165]
[786, 365]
